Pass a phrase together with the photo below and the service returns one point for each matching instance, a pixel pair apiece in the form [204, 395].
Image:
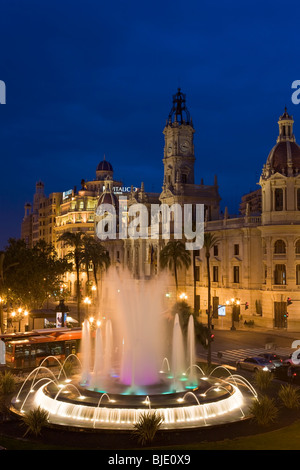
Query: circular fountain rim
[113, 418]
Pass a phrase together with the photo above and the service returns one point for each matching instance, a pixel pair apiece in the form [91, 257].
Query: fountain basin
[209, 404]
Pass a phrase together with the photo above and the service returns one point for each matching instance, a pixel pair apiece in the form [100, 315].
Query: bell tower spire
[179, 113]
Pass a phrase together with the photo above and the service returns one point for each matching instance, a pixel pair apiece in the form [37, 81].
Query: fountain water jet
[86, 352]
[97, 377]
[178, 356]
[108, 348]
[191, 352]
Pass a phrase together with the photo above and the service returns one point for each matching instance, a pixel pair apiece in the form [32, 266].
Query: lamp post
[18, 316]
[233, 303]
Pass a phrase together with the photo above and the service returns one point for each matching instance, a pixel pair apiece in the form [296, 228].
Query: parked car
[256, 363]
[293, 359]
[288, 373]
[274, 358]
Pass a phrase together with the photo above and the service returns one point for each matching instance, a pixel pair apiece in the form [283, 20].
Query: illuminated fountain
[120, 376]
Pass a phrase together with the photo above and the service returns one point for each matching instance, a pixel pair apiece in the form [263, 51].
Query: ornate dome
[108, 196]
[284, 157]
[104, 166]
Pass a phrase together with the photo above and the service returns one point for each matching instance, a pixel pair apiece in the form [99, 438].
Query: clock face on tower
[170, 149]
[184, 146]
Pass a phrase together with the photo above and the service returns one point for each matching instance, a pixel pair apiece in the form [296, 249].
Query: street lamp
[233, 302]
[183, 296]
[18, 316]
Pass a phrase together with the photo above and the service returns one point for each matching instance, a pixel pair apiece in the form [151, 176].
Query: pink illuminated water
[133, 335]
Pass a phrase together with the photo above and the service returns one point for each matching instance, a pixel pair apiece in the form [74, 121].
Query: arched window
[297, 247]
[279, 247]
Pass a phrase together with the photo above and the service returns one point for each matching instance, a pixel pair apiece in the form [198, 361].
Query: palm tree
[75, 241]
[210, 241]
[174, 256]
[96, 253]
[86, 258]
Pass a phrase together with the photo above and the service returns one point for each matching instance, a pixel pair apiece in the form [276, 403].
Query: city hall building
[255, 264]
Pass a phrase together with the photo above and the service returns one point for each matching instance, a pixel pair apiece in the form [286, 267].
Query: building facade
[255, 263]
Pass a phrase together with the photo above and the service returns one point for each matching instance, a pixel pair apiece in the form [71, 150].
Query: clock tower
[179, 147]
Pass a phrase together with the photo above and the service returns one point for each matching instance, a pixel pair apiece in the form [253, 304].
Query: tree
[173, 256]
[210, 241]
[31, 274]
[86, 258]
[97, 254]
[75, 241]
[184, 312]
[3, 269]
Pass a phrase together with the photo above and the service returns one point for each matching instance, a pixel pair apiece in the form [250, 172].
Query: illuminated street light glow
[183, 296]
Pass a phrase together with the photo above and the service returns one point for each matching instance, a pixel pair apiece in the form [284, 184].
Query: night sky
[89, 78]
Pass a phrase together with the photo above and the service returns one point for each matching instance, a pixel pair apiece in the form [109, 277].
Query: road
[238, 344]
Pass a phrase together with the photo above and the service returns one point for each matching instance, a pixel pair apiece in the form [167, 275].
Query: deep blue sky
[90, 78]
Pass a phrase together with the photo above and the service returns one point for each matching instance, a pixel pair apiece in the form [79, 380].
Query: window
[236, 249]
[280, 274]
[279, 247]
[298, 274]
[298, 199]
[236, 274]
[278, 199]
[216, 250]
[297, 247]
[215, 273]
